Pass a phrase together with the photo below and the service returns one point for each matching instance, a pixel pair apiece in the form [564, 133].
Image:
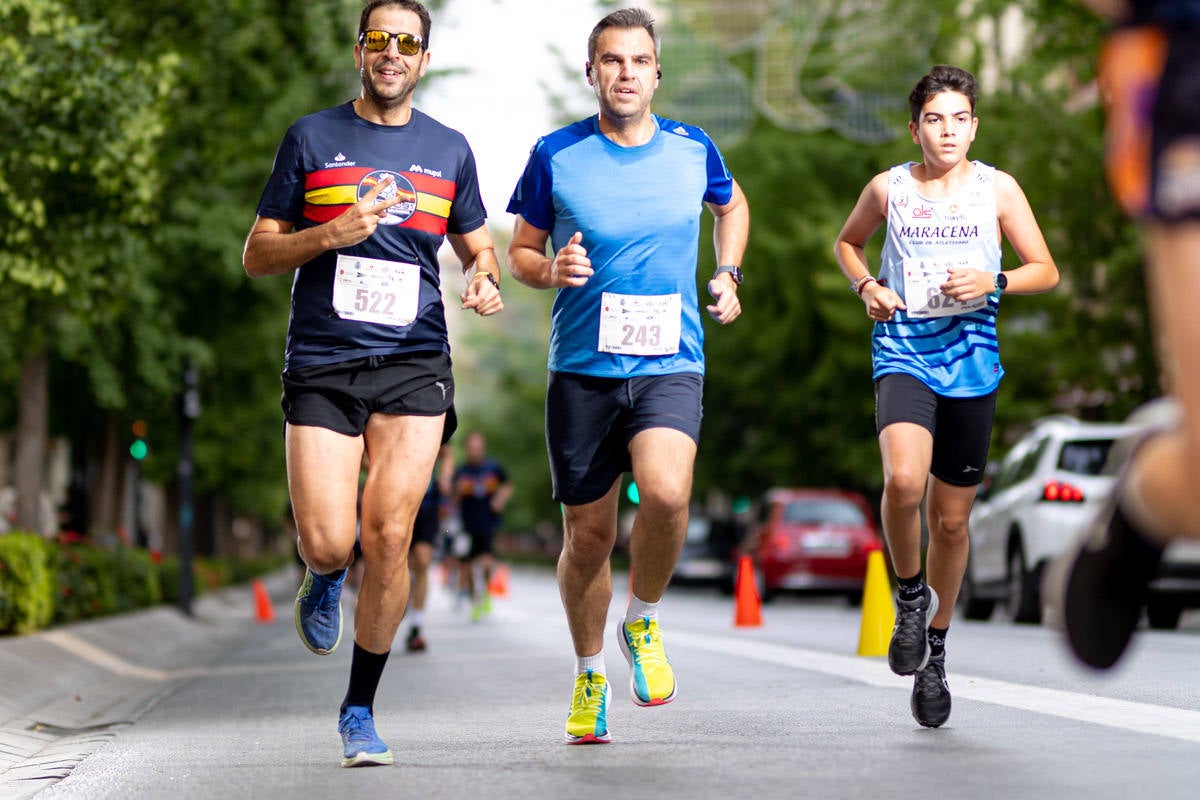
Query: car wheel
[1164, 615]
[1024, 603]
[974, 606]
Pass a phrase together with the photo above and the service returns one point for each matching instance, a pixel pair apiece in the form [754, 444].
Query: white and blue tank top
[950, 348]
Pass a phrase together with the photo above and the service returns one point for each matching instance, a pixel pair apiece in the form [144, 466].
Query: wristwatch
[734, 272]
[1001, 282]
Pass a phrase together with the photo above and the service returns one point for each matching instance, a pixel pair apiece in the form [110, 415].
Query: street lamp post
[189, 411]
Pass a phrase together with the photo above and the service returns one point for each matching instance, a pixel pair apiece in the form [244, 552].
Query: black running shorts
[961, 426]
[483, 543]
[590, 422]
[425, 526]
[342, 396]
[1152, 81]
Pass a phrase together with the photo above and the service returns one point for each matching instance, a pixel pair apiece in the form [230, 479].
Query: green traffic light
[138, 449]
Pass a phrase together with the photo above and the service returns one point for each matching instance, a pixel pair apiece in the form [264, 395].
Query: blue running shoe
[319, 611]
[361, 746]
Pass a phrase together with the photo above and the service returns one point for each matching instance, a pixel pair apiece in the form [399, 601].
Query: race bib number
[375, 290]
[640, 324]
[923, 278]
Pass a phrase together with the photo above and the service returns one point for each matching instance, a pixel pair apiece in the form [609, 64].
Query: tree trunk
[31, 443]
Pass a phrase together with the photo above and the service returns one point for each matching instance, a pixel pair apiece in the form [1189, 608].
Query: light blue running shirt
[638, 209]
[955, 355]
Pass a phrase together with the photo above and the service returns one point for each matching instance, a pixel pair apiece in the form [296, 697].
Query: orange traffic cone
[263, 610]
[498, 585]
[748, 609]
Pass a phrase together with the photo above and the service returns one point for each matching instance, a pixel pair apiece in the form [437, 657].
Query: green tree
[80, 127]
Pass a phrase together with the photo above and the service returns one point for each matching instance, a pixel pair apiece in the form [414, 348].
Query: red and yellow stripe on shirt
[329, 192]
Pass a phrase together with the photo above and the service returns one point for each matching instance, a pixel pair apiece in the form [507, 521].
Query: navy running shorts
[961, 426]
[590, 422]
[342, 396]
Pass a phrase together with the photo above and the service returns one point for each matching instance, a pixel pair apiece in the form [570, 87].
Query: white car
[1045, 491]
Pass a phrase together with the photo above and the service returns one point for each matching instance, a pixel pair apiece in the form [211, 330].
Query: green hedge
[26, 583]
[44, 581]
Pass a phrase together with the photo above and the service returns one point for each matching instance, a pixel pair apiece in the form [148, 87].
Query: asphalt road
[784, 710]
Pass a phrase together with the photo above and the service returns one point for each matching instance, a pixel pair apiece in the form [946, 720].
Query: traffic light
[139, 449]
[631, 491]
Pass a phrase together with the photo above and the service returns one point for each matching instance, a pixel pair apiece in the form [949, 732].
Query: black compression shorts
[961, 426]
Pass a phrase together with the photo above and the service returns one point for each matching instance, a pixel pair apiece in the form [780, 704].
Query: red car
[814, 540]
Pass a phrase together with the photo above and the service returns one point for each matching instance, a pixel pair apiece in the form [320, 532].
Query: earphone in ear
[587, 70]
[659, 75]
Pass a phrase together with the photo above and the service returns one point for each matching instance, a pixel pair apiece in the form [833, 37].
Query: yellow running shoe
[588, 721]
[652, 682]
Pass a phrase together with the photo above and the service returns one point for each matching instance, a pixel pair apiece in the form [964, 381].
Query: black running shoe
[908, 651]
[1110, 570]
[415, 642]
[930, 702]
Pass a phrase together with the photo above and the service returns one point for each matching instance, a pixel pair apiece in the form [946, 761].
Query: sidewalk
[66, 692]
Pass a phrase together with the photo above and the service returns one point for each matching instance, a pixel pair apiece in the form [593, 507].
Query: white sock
[594, 663]
[416, 616]
[640, 609]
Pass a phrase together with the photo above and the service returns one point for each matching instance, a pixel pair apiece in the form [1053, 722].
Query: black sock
[911, 588]
[365, 671]
[937, 640]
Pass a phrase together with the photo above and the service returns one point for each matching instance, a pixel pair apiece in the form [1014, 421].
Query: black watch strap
[734, 272]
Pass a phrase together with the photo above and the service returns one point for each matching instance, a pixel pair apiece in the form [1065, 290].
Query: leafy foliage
[26, 583]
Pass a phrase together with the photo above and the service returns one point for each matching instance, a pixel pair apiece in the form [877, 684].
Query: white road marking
[102, 658]
[1174, 723]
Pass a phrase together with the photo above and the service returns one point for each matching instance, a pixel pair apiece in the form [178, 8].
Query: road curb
[64, 692]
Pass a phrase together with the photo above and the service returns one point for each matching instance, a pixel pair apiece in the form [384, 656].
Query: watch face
[1001, 280]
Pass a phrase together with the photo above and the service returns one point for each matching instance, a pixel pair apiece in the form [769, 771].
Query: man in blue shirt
[619, 195]
[359, 201]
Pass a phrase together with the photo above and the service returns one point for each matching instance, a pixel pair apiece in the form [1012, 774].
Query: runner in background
[1150, 83]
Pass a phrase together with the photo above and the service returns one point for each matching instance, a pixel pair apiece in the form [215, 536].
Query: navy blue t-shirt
[476, 485]
[327, 162]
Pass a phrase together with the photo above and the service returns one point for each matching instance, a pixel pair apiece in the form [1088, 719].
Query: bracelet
[489, 275]
[860, 284]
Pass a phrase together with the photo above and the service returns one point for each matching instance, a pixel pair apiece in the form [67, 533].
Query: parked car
[814, 540]
[1177, 585]
[1048, 487]
[708, 554]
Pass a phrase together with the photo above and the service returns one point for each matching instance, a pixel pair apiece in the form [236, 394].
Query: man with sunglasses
[619, 196]
[359, 201]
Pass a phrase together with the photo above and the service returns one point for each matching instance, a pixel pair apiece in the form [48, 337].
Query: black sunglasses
[409, 44]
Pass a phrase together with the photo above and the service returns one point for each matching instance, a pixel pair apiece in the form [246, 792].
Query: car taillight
[1062, 492]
